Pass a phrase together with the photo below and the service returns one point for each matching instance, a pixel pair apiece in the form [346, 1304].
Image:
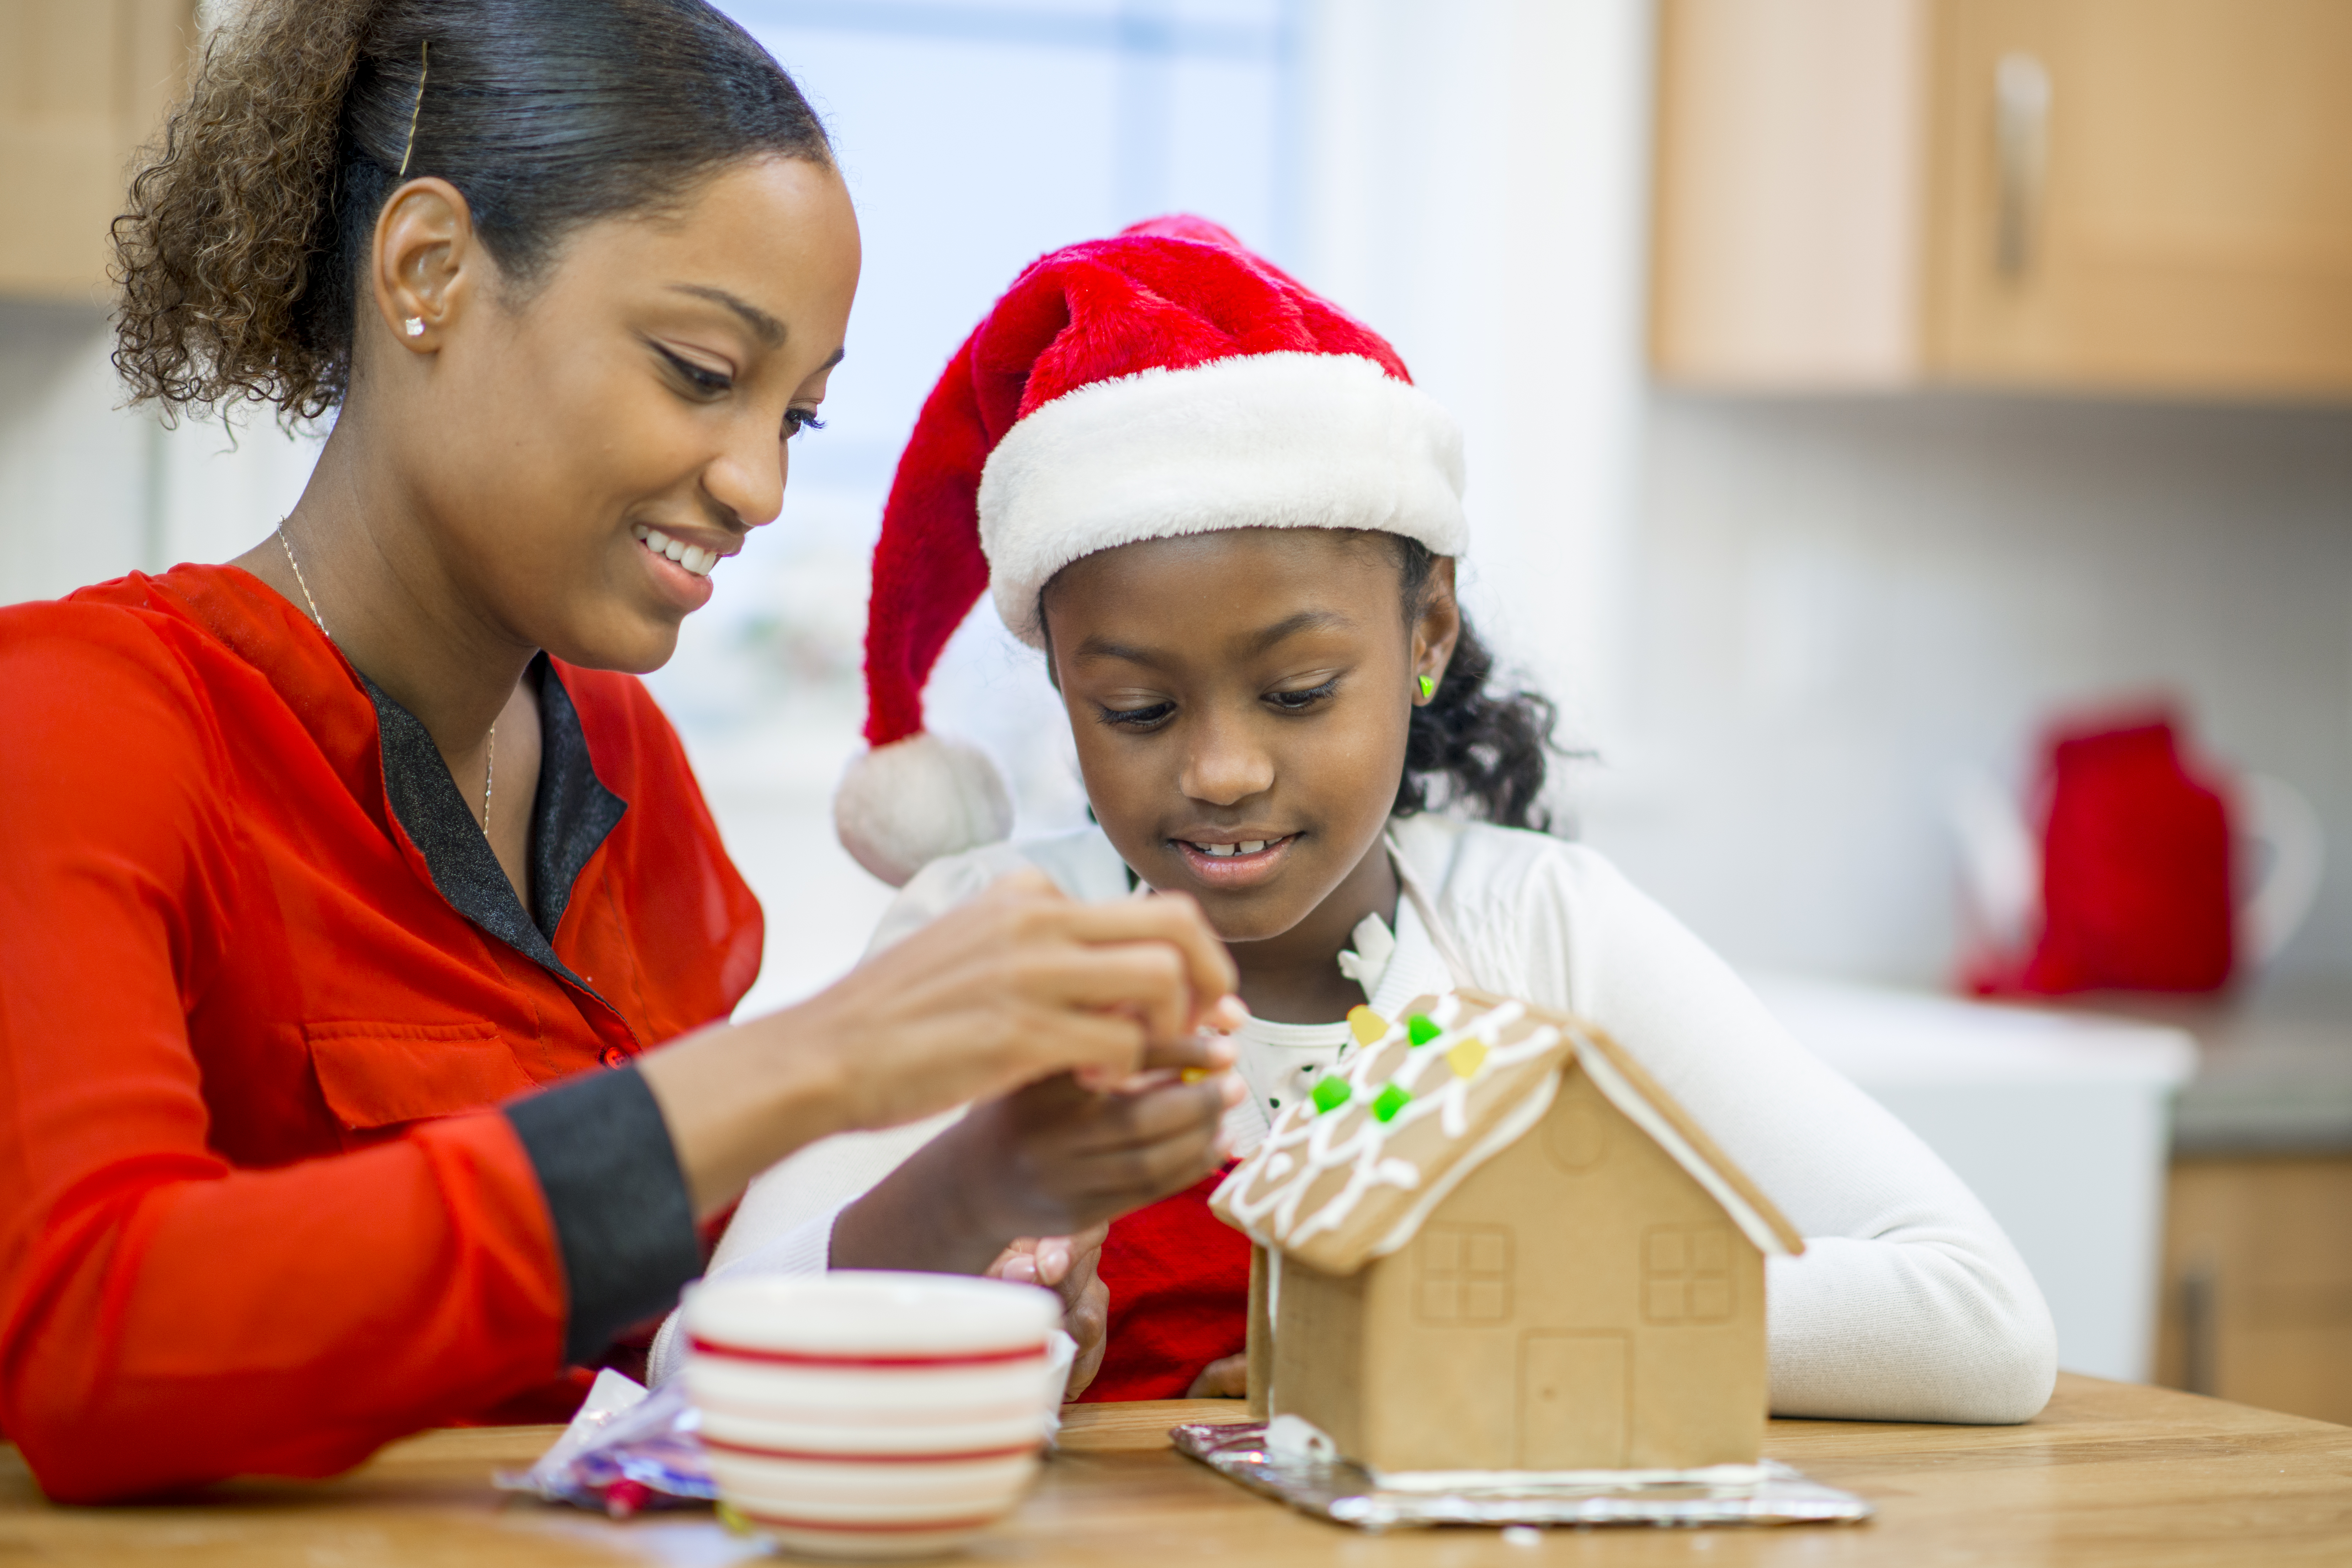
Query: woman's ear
[426, 258]
[1435, 630]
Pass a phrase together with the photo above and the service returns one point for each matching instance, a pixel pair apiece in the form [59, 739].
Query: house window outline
[1464, 1275]
[1686, 1275]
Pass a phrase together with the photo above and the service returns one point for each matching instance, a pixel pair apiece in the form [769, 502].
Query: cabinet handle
[2020, 128]
[2199, 1328]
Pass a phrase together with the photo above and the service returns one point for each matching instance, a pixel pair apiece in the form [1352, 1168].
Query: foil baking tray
[1333, 1488]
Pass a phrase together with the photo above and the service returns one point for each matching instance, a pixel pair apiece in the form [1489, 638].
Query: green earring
[1428, 686]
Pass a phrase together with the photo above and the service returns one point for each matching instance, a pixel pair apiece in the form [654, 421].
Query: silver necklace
[490, 749]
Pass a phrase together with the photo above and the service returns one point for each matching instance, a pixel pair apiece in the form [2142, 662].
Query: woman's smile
[680, 570]
[693, 557]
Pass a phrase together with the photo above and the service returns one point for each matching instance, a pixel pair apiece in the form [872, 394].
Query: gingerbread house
[1492, 1242]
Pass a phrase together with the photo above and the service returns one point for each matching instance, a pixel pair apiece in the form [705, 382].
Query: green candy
[1420, 1028]
[1390, 1101]
[1331, 1094]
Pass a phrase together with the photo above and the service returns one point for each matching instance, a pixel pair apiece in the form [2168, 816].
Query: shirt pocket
[377, 1075]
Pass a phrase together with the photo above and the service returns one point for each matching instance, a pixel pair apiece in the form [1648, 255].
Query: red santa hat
[1164, 381]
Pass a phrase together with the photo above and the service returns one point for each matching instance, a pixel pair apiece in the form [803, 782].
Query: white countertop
[1883, 1036]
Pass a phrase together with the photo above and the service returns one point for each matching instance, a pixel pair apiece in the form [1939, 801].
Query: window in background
[974, 138]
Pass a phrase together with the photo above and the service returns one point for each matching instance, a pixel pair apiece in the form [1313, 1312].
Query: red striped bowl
[871, 1415]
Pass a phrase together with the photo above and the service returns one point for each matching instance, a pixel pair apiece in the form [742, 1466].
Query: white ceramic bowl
[872, 1415]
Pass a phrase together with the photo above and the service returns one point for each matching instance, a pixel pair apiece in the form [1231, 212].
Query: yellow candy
[1464, 1058]
[1366, 1025]
[1194, 1075]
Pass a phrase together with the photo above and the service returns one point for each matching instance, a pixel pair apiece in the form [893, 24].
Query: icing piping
[1625, 1098]
[1272, 1255]
[1272, 1216]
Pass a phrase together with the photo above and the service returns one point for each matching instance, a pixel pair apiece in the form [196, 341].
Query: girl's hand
[1069, 1266]
[1054, 1158]
[1051, 1160]
[1227, 1377]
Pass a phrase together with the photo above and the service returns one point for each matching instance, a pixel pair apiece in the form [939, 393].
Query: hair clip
[423, 69]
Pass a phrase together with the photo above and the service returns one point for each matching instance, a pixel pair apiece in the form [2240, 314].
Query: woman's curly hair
[241, 256]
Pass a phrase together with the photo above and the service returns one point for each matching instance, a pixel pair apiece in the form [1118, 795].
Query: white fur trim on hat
[903, 806]
[1275, 440]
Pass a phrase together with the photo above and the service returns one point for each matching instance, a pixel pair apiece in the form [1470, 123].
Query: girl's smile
[1227, 861]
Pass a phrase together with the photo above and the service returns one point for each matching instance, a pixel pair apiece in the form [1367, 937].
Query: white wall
[1843, 602]
[91, 489]
[1474, 189]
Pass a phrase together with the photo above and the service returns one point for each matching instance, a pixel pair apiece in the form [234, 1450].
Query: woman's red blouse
[258, 1212]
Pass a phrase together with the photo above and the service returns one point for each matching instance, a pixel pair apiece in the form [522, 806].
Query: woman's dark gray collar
[572, 815]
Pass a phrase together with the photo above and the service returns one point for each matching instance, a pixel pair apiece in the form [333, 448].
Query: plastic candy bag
[626, 1451]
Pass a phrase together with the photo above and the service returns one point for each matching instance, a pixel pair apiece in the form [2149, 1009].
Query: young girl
[1229, 520]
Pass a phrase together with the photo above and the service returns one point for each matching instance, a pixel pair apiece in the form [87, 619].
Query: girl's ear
[1435, 630]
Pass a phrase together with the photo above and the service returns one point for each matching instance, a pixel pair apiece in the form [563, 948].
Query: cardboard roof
[1339, 1181]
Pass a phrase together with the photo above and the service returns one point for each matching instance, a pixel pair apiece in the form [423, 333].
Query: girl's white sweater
[1908, 1303]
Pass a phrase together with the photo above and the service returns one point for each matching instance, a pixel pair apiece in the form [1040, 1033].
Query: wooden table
[2111, 1474]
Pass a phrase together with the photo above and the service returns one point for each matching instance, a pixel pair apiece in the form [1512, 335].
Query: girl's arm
[1908, 1303]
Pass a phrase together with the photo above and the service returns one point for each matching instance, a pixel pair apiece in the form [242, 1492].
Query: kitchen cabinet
[83, 84]
[2145, 196]
[2257, 1292]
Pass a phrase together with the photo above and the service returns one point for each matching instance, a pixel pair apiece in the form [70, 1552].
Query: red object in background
[2137, 885]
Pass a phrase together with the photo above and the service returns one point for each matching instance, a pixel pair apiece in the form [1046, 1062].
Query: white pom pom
[903, 806]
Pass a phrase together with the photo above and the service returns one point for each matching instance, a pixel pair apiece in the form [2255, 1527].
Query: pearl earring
[414, 326]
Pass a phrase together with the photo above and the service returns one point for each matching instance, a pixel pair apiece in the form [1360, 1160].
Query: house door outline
[1576, 1399]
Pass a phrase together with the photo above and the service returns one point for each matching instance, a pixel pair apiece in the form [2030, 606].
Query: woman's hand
[1070, 1267]
[1019, 984]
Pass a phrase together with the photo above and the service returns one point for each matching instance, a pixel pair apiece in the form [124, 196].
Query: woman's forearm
[739, 1098]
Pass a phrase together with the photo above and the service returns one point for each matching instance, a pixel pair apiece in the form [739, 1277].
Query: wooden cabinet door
[2143, 194]
[2257, 1296]
[83, 84]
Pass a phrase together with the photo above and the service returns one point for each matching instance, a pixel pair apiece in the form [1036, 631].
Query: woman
[321, 865]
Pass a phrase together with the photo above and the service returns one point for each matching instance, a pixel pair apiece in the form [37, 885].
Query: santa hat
[1165, 381]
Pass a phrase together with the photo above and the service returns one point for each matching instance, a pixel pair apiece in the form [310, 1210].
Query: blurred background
[1862, 397]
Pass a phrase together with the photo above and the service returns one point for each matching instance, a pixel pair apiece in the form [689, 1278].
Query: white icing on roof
[1268, 1194]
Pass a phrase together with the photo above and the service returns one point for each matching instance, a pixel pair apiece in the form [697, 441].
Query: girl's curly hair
[241, 256]
[1484, 748]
